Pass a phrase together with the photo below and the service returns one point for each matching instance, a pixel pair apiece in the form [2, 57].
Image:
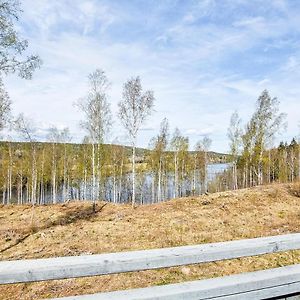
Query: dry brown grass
[73, 229]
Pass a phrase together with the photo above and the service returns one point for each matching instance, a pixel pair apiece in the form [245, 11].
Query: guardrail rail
[266, 284]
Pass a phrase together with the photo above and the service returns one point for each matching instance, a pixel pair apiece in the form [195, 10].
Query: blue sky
[203, 59]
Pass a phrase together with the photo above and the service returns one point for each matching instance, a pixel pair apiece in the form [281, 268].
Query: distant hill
[214, 157]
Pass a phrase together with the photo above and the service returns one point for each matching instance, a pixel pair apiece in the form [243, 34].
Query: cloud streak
[203, 59]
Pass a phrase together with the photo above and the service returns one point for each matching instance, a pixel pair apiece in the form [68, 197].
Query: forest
[56, 170]
[59, 171]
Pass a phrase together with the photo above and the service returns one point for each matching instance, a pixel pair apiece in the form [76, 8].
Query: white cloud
[183, 62]
[199, 132]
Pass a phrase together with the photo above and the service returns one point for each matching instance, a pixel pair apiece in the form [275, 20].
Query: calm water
[147, 190]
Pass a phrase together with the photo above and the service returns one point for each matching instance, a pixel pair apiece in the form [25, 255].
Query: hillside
[72, 229]
[141, 153]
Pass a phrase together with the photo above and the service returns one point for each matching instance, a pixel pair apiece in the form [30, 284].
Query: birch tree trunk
[120, 181]
[93, 173]
[42, 178]
[269, 166]
[205, 171]
[3, 194]
[99, 189]
[153, 188]
[9, 175]
[8, 195]
[65, 173]
[159, 183]
[21, 185]
[53, 176]
[175, 176]
[194, 176]
[34, 176]
[114, 186]
[133, 174]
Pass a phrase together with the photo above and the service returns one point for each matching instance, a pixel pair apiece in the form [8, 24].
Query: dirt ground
[74, 229]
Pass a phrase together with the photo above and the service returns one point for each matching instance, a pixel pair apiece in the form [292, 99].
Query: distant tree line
[59, 171]
[255, 159]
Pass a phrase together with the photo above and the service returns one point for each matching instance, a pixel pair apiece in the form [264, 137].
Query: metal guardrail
[258, 285]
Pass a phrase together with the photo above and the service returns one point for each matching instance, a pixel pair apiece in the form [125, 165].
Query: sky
[203, 60]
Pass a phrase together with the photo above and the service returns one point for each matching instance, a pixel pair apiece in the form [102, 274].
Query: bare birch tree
[133, 111]
[27, 130]
[204, 146]
[98, 118]
[159, 145]
[262, 128]
[234, 134]
[57, 136]
[53, 137]
[179, 145]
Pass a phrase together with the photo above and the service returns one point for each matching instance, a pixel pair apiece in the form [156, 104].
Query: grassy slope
[72, 229]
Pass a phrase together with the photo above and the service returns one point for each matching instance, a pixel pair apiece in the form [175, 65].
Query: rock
[185, 270]
[205, 202]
